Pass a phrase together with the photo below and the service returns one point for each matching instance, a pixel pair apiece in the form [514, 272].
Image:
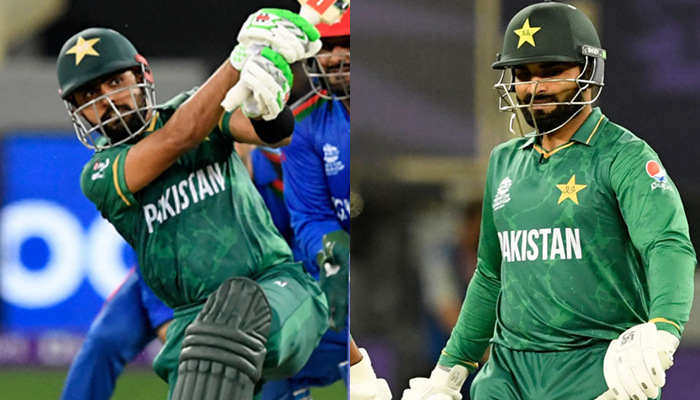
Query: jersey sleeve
[657, 225]
[475, 325]
[306, 194]
[102, 181]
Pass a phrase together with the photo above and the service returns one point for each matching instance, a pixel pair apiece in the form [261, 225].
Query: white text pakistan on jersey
[200, 184]
[540, 244]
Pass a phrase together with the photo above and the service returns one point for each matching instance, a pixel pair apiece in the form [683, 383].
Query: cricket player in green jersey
[585, 267]
[169, 180]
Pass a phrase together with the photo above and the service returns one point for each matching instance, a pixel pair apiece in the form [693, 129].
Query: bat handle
[235, 97]
[310, 15]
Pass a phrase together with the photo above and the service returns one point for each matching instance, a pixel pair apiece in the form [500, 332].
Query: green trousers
[530, 375]
[299, 319]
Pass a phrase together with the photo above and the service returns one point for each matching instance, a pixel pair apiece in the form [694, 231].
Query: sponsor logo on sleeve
[99, 169]
[655, 171]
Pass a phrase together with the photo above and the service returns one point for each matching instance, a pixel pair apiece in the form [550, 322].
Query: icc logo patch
[655, 171]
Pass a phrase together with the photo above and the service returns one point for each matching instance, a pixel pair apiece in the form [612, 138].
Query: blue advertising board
[59, 258]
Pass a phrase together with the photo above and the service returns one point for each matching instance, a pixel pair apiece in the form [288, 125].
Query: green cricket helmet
[550, 32]
[329, 73]
[95, 54]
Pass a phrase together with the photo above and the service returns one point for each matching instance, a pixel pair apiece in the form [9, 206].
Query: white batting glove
[283, 31]
[269, 78]
[635, 363]
[364, 384]
[444, 383]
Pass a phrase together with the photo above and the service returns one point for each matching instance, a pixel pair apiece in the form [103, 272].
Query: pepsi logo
[655, 171]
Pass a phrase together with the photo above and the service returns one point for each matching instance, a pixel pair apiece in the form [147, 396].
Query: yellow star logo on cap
[83, 48]
[570, 190]
[527, 33]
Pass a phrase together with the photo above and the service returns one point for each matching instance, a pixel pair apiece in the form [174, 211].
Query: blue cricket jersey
[316, 169]
[267, 177]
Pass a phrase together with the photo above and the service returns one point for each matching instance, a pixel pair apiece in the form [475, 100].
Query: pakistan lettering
[203, 183]
[540, 244]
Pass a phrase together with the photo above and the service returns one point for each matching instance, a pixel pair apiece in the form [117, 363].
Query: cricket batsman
[585, 267]
[176, 190]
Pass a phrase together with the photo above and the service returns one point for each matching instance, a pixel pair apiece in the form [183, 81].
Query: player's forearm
[188, 126]
[671, 282]
[198, 116]
[470, 337]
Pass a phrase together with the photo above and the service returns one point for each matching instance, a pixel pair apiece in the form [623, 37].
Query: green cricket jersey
[199, 223]
[577, 244]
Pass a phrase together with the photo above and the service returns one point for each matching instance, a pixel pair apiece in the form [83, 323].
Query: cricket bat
[315, 12]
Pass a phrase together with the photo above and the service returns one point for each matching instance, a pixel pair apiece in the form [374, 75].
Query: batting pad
[224, 348]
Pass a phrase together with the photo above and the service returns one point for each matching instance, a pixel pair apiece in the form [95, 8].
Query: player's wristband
[275, 130]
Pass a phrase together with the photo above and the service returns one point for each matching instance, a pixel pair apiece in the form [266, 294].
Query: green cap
[91, 54]
[549, 32]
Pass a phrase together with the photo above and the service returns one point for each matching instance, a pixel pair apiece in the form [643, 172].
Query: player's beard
[548, 121]
[116, 130]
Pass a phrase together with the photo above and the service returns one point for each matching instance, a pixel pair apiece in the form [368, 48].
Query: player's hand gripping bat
[313, 11]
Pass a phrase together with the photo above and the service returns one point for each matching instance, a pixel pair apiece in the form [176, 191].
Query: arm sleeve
[475, 325]
[658, 228]
[307, 195]
[102, 181]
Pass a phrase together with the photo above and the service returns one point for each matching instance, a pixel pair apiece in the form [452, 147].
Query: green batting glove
[334, 275]
[281, 30]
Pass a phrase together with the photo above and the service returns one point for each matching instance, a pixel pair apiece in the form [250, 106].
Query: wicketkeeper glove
[269, 78]
[334, 274]
[285, 32]
[444, 383]
[635, 363]
[364, 384]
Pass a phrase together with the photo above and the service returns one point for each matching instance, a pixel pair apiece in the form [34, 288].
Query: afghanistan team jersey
[199, 223]
[316, 167]
[578, 244]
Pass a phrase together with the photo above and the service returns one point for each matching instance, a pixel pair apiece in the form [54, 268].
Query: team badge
[83, 48]
[526, 34]
[570, 190]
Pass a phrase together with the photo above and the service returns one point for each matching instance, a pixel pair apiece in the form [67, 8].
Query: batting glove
[269, 77]
[364, 384]
[444, 383]
[285, 32]
[635, 363]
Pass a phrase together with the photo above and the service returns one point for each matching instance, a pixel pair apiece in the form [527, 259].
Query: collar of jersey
[586, 134]
[154, 123]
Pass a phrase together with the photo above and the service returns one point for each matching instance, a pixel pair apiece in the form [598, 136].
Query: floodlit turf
[136, 384]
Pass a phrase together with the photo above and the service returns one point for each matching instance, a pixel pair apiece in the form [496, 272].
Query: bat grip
[235, 97]
[310, 15]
